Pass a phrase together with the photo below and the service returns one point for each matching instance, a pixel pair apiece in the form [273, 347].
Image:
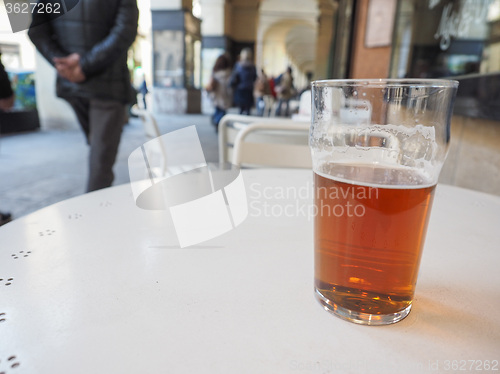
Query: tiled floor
[47, 166]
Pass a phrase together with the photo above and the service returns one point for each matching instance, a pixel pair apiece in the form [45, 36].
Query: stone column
[326, 26]
[213, 15]
[215, 42]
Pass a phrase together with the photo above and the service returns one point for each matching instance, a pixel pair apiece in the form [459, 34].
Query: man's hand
[6, 104]
[69, 68]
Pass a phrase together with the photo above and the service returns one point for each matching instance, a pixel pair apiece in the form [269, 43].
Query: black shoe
[5, 218]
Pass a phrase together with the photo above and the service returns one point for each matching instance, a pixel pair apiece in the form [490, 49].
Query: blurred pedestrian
[6, 93]
[242, 81]
[219, 88]
[6, 103]
[143, 89]
[262, 88]
[88, 47]
[309, 76]
[285, 91]
[272, 86]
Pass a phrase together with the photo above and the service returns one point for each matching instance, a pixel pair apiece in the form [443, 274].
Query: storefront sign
[458, 22]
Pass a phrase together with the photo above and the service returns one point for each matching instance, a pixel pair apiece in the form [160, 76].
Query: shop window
[168, 46]
[176, 49]
[443, 38]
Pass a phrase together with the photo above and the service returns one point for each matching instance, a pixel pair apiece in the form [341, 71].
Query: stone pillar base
[176, 100]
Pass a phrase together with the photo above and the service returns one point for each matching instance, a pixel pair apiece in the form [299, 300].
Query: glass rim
[387, 82]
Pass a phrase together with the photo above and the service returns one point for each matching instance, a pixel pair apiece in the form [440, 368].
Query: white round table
[96, 285]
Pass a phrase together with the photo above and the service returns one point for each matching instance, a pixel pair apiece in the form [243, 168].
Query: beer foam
[395, 147]
[375, 176]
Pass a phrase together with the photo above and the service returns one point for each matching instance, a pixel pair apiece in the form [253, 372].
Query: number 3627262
[471, 365]
[25, 8]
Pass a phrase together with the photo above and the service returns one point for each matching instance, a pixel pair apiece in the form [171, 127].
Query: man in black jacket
[6, 102]
[88, 47]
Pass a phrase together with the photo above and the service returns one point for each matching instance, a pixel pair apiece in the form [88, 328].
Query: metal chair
[148, 120]
[277, 145]
[231, 124]
[154, 149]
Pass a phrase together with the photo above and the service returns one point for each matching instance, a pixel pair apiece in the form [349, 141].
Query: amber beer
[377, 147]
[369, 235]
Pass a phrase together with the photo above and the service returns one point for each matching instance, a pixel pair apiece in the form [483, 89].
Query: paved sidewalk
[41, 168]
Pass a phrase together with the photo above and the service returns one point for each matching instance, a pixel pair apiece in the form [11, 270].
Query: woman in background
[285, 91]
[219, 88]
[261, 89]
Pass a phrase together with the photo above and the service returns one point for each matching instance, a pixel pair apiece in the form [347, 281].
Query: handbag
[212, 85]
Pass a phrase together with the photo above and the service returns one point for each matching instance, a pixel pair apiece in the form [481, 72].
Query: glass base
[360, 317]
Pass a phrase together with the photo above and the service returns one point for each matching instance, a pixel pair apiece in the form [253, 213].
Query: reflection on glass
[192, 61]
[441, 38]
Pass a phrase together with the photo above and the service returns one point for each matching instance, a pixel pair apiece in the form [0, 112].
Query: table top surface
[95, 284]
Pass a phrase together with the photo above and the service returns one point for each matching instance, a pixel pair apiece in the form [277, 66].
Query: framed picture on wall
[379, 23]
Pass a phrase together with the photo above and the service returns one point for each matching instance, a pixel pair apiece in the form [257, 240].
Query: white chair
[278, 145]
[148, 120]
[305, 105]
[231, 124]
[155, 151]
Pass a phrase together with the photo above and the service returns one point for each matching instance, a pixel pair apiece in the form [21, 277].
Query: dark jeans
[243, 98]
[217, 116]
[261, 105]
[102, 123]
[280, 104]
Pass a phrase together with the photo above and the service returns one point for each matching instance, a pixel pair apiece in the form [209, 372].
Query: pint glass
[377, 148]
